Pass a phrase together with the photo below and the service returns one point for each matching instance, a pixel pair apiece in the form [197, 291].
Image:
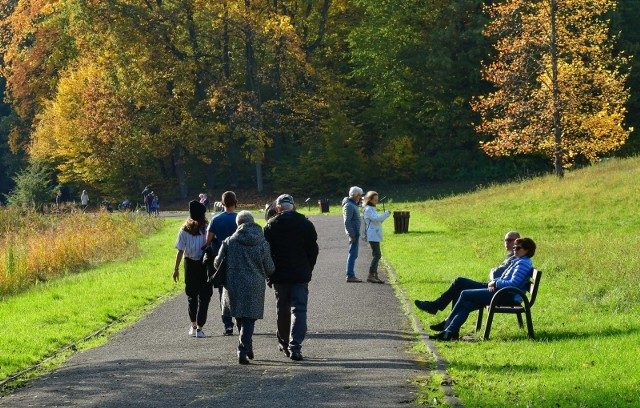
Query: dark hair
[528, 245]
[196, 227]
[229, 199]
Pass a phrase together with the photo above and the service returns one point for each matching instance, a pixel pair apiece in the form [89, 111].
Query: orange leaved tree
[559, 87]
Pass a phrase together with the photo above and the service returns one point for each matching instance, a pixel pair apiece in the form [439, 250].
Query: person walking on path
[84, 200]
[248, 260]
[294, 248]
[373, 232]
[145, 199]
[221, 227]
[352, 223]
[191, 239]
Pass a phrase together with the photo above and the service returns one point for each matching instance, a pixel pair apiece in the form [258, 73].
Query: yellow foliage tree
[559, 87]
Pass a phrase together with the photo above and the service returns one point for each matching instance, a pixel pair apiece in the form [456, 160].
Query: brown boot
[373, 278]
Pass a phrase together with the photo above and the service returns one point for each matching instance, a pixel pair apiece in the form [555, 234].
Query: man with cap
[222, 226]
[294, 249]
[352, 223]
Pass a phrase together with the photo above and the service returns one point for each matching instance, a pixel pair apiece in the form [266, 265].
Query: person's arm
[267, 261]
[518, 273]
[176, 269]
[348, 214]
[371, 213]
[311, 244]
[222, 253]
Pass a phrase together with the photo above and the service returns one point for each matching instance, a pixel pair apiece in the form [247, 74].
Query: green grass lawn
[587, 316]
[45, 318]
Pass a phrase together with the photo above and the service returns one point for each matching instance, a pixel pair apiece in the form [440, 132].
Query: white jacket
[373, 223]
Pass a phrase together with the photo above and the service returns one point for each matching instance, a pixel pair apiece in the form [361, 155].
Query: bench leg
[479, 321]
[520, 320]
[487, 330]
[529, 324]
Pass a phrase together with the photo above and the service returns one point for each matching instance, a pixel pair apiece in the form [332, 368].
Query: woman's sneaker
[200, 333]
[192, 331]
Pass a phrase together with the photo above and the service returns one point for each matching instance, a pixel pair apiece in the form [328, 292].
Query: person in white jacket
[373, 232]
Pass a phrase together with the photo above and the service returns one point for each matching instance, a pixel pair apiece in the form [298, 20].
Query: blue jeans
[469, 300]
[376, 254]
[245, 340]
[452, 294]
[291, 308]
[351, 259]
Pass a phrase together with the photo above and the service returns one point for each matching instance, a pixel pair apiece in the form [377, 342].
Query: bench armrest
[508, 290]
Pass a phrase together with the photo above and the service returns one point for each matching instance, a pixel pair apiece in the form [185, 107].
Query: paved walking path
[356, 353]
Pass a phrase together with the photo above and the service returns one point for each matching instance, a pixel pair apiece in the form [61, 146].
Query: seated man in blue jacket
[516, 275]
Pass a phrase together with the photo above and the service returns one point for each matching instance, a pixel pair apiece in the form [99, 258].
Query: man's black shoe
[250, 354]
[284, 350]
[427, 306]
[439, 326]
[445, 336]
[242, 359]
[228, 331]
[296, 356]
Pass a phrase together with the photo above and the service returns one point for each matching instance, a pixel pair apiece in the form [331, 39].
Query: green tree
[32, 188]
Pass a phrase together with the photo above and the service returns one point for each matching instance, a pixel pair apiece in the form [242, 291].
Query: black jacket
[294, 247]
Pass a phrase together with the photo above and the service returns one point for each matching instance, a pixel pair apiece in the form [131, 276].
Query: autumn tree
[559, 87]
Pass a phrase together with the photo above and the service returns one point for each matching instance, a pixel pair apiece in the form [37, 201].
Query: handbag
[219, 276]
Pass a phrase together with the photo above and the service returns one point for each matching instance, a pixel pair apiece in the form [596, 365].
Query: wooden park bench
[524, 307]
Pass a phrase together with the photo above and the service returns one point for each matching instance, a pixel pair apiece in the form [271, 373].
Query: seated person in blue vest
[460, 284]
[518, 275]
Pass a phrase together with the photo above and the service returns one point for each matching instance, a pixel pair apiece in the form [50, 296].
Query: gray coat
[351, 217]
[248, 262]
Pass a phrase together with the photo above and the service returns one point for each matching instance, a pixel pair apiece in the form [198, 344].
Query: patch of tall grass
[587, 316]
[36, 247]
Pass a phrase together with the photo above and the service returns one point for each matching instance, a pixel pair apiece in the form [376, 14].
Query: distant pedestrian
[191, 239]
[145, 198]
[155, 205]
[248, 261]
[58, 200]
[204, 199]
[294, 248]
[221, 227]
[352, 223]
[84, 200]
[373, 232]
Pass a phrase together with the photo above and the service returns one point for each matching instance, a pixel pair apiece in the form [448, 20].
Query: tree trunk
[557, 119]
[259, 182]
[178, 162]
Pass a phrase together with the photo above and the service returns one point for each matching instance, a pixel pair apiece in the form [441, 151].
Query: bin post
[324, 205]
[401, 222]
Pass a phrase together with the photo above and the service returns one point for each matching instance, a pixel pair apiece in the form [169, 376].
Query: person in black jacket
[294, 249]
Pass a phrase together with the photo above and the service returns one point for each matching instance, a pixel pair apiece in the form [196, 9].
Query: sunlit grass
[44, 318]
[36, 248]
[587, 316]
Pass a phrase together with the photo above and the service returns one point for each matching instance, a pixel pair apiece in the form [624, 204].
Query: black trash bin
[400, 222]
[324, 205]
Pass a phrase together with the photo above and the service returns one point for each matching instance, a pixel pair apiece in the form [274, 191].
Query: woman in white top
[191, 239]
[373, 232]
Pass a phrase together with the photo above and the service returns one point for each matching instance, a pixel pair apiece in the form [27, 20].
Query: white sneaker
[192, 331]
[200, 333]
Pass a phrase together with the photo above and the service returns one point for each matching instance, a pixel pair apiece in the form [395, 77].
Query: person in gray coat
[249, 262]
[351, 217]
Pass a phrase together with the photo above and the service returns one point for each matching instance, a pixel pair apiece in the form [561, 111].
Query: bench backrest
[533, 285]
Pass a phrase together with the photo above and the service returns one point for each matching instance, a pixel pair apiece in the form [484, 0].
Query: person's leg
[226, 320]
[283, 311]
[452, 294]
[191, 289]
[245, 339]
[470, 300]
[299, 298]
[204, 297]
[351, 258]
[376, 254]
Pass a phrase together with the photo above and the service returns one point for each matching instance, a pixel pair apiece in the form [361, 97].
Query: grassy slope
[39, 322]
[587, 229]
